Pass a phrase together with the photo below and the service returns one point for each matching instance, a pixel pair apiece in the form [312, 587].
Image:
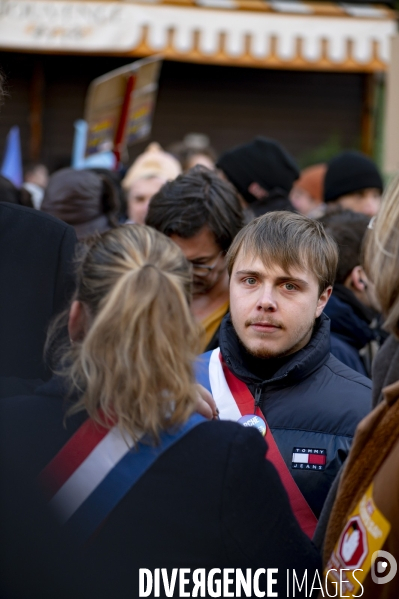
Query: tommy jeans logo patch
[308, 459]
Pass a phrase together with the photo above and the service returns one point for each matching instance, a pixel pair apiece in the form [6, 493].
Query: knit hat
[349, 172]
[258, 168]
[312, 181]
[154, 162]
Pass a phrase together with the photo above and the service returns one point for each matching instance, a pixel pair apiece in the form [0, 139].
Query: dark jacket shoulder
[347, 353]
[218, 492]
[349, 374]
[36, 269]
[17, 213]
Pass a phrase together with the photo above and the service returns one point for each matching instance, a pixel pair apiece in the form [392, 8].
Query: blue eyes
[251, 281]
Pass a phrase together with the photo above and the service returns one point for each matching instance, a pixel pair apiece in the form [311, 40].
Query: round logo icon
[255, 421]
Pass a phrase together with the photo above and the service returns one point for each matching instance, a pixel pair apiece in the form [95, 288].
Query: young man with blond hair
[274, 358]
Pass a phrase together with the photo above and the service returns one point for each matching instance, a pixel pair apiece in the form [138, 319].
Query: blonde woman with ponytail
[132, 333]
[133, 474]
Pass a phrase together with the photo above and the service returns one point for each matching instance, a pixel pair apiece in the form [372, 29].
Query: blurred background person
[145, 178]
[114, 179]
[353, 182]
[35, 181]
[307, 192]
[263, 173]
[194, 149]
[353, 307]
[14, 195]
[202, 214]
[83, 199]
[371, 474]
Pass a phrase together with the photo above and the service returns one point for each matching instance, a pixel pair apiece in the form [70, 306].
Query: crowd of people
[198, 370]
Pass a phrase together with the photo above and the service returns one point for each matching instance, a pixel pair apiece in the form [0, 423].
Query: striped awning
[282, 34]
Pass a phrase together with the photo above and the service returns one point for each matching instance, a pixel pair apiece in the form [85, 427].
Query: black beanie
[349, 172]
[259, 167]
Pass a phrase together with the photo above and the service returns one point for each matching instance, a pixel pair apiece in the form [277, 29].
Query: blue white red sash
[234, 400]
[95, 469]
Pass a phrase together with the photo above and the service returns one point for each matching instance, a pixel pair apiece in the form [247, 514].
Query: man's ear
[77, 321]
[323, 299]
[358, 279]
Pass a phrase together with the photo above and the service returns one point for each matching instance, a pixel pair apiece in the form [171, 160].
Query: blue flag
[12, 162]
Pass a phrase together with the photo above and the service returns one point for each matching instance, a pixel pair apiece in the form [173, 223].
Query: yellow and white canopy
[290, 34]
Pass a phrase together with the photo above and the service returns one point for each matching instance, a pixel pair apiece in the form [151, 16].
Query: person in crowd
[145, 178]
[353, 307]
[202, 214]
[11, 194]
[115, 180]
[193, 150]
[274, 356]
[36, 271]
[83, 199]
[307, 192]
[364, 517]
[35, 181]
[353, 182]
[175, 489]
[191, 156]
[37, 281]
[263, 173]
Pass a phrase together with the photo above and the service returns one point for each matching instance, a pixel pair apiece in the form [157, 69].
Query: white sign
[69, 25]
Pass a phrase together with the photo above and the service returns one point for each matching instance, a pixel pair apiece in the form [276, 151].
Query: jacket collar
[348, 297]
[297, 367]
[391, 393]
[348, 320]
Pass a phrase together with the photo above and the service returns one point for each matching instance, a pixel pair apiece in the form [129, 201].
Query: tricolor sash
[234, 400]
[96, 468]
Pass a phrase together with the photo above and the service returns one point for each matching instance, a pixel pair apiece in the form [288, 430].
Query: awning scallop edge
[197, 34]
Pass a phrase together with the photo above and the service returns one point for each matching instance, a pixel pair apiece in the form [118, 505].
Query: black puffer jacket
[312, 402]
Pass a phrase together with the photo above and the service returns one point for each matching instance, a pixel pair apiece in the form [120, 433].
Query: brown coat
[374, 458]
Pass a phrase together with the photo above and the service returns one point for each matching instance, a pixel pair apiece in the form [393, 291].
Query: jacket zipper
[258, 393]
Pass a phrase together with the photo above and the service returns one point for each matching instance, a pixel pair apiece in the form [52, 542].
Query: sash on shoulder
[234, 400]
[96, 468]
